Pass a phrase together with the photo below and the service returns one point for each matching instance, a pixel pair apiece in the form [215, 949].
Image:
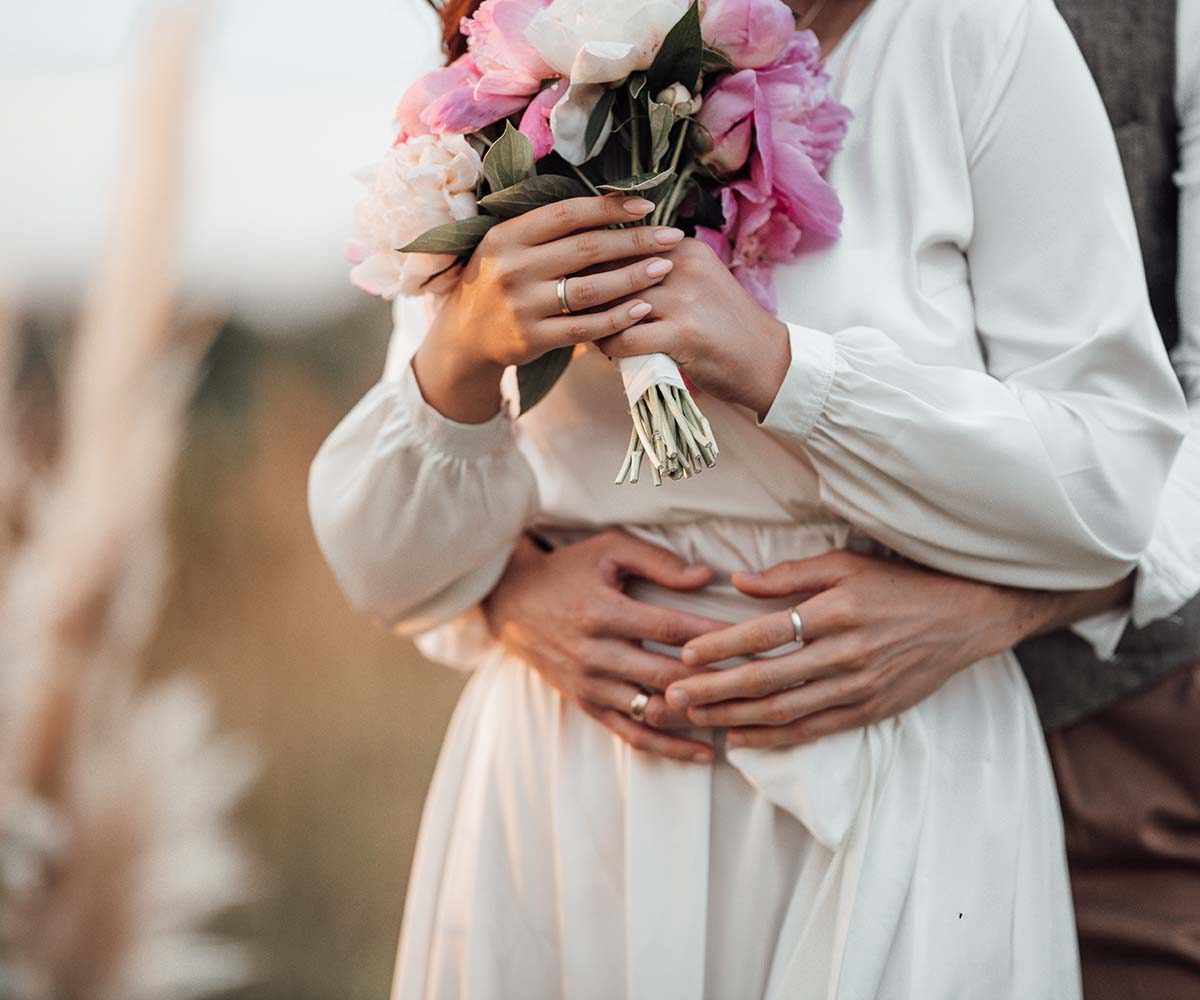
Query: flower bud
[680, 99]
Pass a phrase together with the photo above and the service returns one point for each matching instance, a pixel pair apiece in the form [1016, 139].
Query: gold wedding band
[562, 295]
[637, 707]
[797, 626]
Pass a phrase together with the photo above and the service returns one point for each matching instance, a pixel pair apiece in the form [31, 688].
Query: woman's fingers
[609, 701]
[599, 246]
[581, 328]
[587, 291]
[627, 661]
[554, 221]
[787, 706]
[806, 730]
[633, 619]
[797, 576]
[632, 556]
[759, 635]
[743, 639]
[655, 337]
[766, 675]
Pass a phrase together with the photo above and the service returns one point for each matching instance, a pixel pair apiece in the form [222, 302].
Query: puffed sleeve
[1045, 470]
[417, 514]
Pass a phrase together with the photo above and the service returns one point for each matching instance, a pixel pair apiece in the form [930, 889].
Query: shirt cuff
[446, 436]
[805, 388]
[1103, 631]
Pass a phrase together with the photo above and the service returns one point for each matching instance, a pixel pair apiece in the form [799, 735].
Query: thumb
[652, 562]
[799, 576]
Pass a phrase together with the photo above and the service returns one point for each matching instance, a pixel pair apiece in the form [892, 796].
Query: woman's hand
[718, 335]
[564, 613]
[880, 636]
[505, 310]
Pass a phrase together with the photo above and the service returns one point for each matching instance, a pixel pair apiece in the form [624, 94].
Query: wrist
[454, 378]
[772, 365]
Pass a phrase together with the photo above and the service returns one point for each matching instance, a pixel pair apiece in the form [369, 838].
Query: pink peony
[726, 122]
[509, 66]
[460, 75]
[535, 123]
[797, 128]
[493, 79]
[423, 182]
[751, 33]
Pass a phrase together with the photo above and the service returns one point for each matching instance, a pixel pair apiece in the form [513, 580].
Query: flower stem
[583, 177]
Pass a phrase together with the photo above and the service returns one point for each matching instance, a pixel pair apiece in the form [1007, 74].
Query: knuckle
[577, 330]
[656, 713]
[759, 678]
[563, 212]
[642, 239]
[778, 714]
[587, 246]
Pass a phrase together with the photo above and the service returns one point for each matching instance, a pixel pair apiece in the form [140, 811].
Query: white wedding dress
[977, 384]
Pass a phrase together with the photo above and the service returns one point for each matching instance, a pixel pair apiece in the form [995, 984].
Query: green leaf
[459, 237]
[531, 193]
[714, 60]
[639, 182]
[537, 378]
[637, 81]
[662, 118]
[596, 120]
[509, 161]
[682, 52]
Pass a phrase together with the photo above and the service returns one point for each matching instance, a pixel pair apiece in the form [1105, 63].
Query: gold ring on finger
[561, 288]
[637, 707]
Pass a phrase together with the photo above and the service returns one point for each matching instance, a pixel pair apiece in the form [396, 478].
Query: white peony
[594, 43]
[423, 182]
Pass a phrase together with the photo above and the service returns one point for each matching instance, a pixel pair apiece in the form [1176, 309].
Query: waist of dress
[727, 545]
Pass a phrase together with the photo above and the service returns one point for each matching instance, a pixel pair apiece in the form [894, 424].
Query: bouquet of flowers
[717, 111]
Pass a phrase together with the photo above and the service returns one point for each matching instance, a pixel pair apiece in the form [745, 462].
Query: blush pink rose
[751, 33]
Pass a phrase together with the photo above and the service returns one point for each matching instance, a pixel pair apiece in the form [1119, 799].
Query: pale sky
[291, 96]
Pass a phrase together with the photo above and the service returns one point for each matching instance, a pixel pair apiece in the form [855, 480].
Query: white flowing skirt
[918, 858]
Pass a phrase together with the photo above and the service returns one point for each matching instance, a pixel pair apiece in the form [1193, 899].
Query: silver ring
[637, 707]
[562, 296]
[797, 626]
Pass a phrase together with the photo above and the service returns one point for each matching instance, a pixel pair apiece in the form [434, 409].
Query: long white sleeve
[416, 514]
[1046, 470]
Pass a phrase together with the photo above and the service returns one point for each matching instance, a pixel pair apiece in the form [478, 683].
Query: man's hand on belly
[879, 636]
[565, 613]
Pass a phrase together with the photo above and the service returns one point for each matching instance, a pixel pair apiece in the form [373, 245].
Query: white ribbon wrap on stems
[668, 428]
[642, 373]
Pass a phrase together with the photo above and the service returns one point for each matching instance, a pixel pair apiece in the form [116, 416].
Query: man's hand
[565, 614]
[880, 635]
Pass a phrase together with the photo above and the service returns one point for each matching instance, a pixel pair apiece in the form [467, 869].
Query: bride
[970, 377]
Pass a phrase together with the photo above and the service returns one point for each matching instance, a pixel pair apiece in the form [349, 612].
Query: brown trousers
[1129, 781]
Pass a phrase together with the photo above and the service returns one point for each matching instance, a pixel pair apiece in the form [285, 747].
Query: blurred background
[284, 101]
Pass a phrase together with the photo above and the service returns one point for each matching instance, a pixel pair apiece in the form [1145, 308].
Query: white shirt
[1169, 572]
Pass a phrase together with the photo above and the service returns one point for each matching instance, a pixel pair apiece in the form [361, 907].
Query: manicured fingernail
[667, 235]
[700, 757]
[658, 267]
[637, 206]
[678, 698]
[638, 310]
[734, 740]
[690, 656]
